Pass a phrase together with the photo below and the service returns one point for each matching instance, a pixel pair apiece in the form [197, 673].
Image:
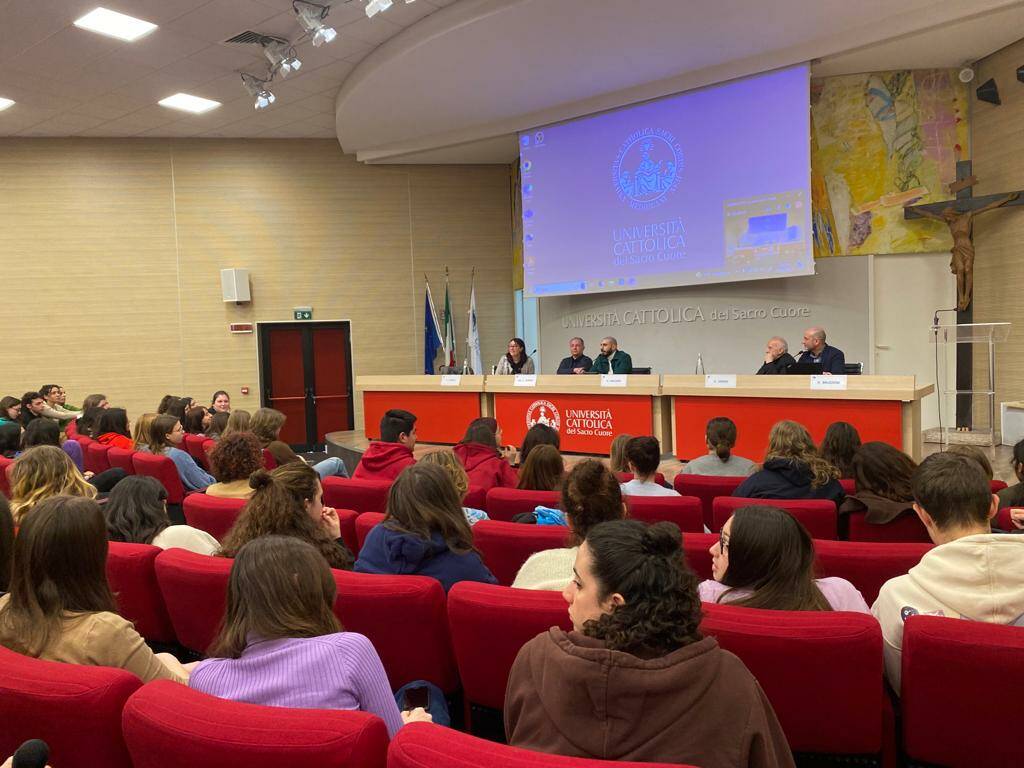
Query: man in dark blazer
[776, 357]
[817, 351]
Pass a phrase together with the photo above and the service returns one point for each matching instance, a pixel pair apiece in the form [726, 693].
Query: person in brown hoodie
[635, 680]
[882, 476]
[384, 459]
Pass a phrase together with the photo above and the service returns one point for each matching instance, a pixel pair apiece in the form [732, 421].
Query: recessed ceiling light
[114, 24]
[188, 103]
[5, 103]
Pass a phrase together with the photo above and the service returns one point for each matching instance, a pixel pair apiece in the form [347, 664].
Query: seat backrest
[960, 678]
[504, 503]
[163, 469]
[817, 515]
[685, 511]
[347, 521]
[706, 488]
[425, 745]
[75, 709]
[476, 498]
[194, 446]
[121, 458]
[131, 571]
[269, 462]
[83, 440]
[95, 457]
[208, 445]
[867, 565]
[697, 548]
[906, 527]
[849, 486]
[997, 485]
[364, 524]
[489, 624]
[504, 546]
[212, 514]
[194, 588]
[360, 495]
[5, 482]
[1003, 519]
[821, 671]
[168, 725]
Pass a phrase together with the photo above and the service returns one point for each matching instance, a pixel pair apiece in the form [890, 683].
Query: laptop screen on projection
[707, 186]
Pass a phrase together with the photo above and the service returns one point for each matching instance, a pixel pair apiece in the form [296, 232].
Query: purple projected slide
[704, 187]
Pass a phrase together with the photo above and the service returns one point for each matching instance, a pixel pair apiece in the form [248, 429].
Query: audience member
[538, 434]
[112, 429]
[450, 463]
[267, 423]
[141, 430]
[218, 424]
[482, 457]
[238, 421]
[971, 573]
[764, 558]
[136, 512]
[165, 437]
[1013, 496]
[515, 360]
[644, 455]
[617, 458]
[32, 406]
[86, 424]
[882, 477]
[196, 420]
[720, 461]
[289, 502]
[840, 445]
[165, 403]
[6, 544]
[10, 439]
[54, 398]
[60, 606]
[46, 432]
[425, 532]
[220, 402]
[178, 407]
[666, 693]
[543, 470]
[41, 473]
[977, 455]
[233, 460]
[10, 410]
[384, 459]
[792, 469]
[95, 401]
[590, 495]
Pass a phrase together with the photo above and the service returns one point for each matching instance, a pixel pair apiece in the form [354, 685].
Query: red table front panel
[441, 417]
[754, 416]
[585, 423]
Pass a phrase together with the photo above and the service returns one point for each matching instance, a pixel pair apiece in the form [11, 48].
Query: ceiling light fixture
[311, 16]
[114, 24]
[5, 103]
[373, 7]
[257, 88]
[281, 55]
[189, 103]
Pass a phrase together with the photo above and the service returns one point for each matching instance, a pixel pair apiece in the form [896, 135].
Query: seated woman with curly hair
[233, 460]
[666, 693]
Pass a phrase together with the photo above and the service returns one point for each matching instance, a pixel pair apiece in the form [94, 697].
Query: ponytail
[721, 437]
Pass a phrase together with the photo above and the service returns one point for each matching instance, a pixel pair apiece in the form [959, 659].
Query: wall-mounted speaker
[988, 91]
[234, 285]
[1020, 74]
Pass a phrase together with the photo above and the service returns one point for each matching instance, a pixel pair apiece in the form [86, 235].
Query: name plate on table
[451, 380]
[720, 381]
[828, 382]
[525, 380]
[613, 379]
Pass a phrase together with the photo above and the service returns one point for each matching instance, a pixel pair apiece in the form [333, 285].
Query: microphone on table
[32, 754]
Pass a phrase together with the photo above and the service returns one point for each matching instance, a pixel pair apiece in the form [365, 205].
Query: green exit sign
[302, 313]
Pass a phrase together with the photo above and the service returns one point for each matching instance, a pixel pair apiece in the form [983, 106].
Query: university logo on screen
[586, 422]
[647, 168]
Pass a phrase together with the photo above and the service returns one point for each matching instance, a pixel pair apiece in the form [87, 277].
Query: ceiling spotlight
[311, 16]
[281, 55]
[5, 103]
[966, 74]
[373, 7]
[257, 88]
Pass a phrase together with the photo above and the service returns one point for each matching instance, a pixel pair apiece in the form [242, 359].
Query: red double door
[306, 373]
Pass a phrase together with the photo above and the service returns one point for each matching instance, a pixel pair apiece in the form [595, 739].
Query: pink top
[840, 593]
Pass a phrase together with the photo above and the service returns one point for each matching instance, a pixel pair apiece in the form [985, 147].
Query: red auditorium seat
[907, 527]
[867, 565]
[625, 477]
[121, 458]
[269, 462]
[75, 709]
[208, 445]
[425, 745]
[167, 725]
[95, 458]
[697, 548]
[360, 495]
[194, 588]
[212, 514]
[131, 571]
[685, 511]
[347, 519]
[706, 488]
[849, 486]
[364, 524]
[5, 475]
[194, 446]
[997, 485]
[163, 469]
[504, 546]
[476, 498]
[1003, 519]
[817, 515]
[83, 440]
[504, 503]
[961, 686]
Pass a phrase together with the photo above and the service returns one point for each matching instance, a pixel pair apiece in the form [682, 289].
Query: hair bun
[260, 479]
[662, 539]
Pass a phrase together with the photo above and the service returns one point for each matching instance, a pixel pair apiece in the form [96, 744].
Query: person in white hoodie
[971, 573]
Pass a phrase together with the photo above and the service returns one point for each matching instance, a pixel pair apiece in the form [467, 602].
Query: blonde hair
[450, 463]
[789, 440]
[618, 460]
[238, 421]
[266, 423]
[141, 430]
[42, 472]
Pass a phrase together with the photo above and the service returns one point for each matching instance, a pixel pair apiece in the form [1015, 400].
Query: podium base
[952, 437]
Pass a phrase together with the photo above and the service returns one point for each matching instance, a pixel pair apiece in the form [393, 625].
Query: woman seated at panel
[515, 360]
[792, 469]
[839, 446]
[720, 461]
[60, 606]
[667, 694]
[196, 421]
[450, 464]
[166, 437]
[289, 502]
[111, 429]
[425, 532]
[281, 644]
[764, 558]
[233, 460]
[643, 455]
[485, 462]
[543, 470]
[590, 495]
[47, 432]
[881, 476]
[136, 513]
[267, 423]
[46, 471]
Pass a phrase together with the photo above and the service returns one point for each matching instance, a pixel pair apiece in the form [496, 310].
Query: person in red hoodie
[484, 461]
[387, 457]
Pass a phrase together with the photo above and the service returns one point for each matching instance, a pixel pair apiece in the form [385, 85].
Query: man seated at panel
[971, 574]
[817, 351]
[577, 362]
[384, 459]
[776, 357]
[612, 359]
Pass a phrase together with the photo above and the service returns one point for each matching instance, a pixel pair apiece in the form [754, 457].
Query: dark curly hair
[661, 611]
[590, 495]
[236, 457]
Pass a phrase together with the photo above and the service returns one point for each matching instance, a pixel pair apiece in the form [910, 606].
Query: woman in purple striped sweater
[282, 645]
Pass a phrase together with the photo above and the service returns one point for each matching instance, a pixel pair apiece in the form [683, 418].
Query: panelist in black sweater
[776, 357]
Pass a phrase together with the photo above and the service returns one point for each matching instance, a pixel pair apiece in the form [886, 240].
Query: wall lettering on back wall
[680, 314]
